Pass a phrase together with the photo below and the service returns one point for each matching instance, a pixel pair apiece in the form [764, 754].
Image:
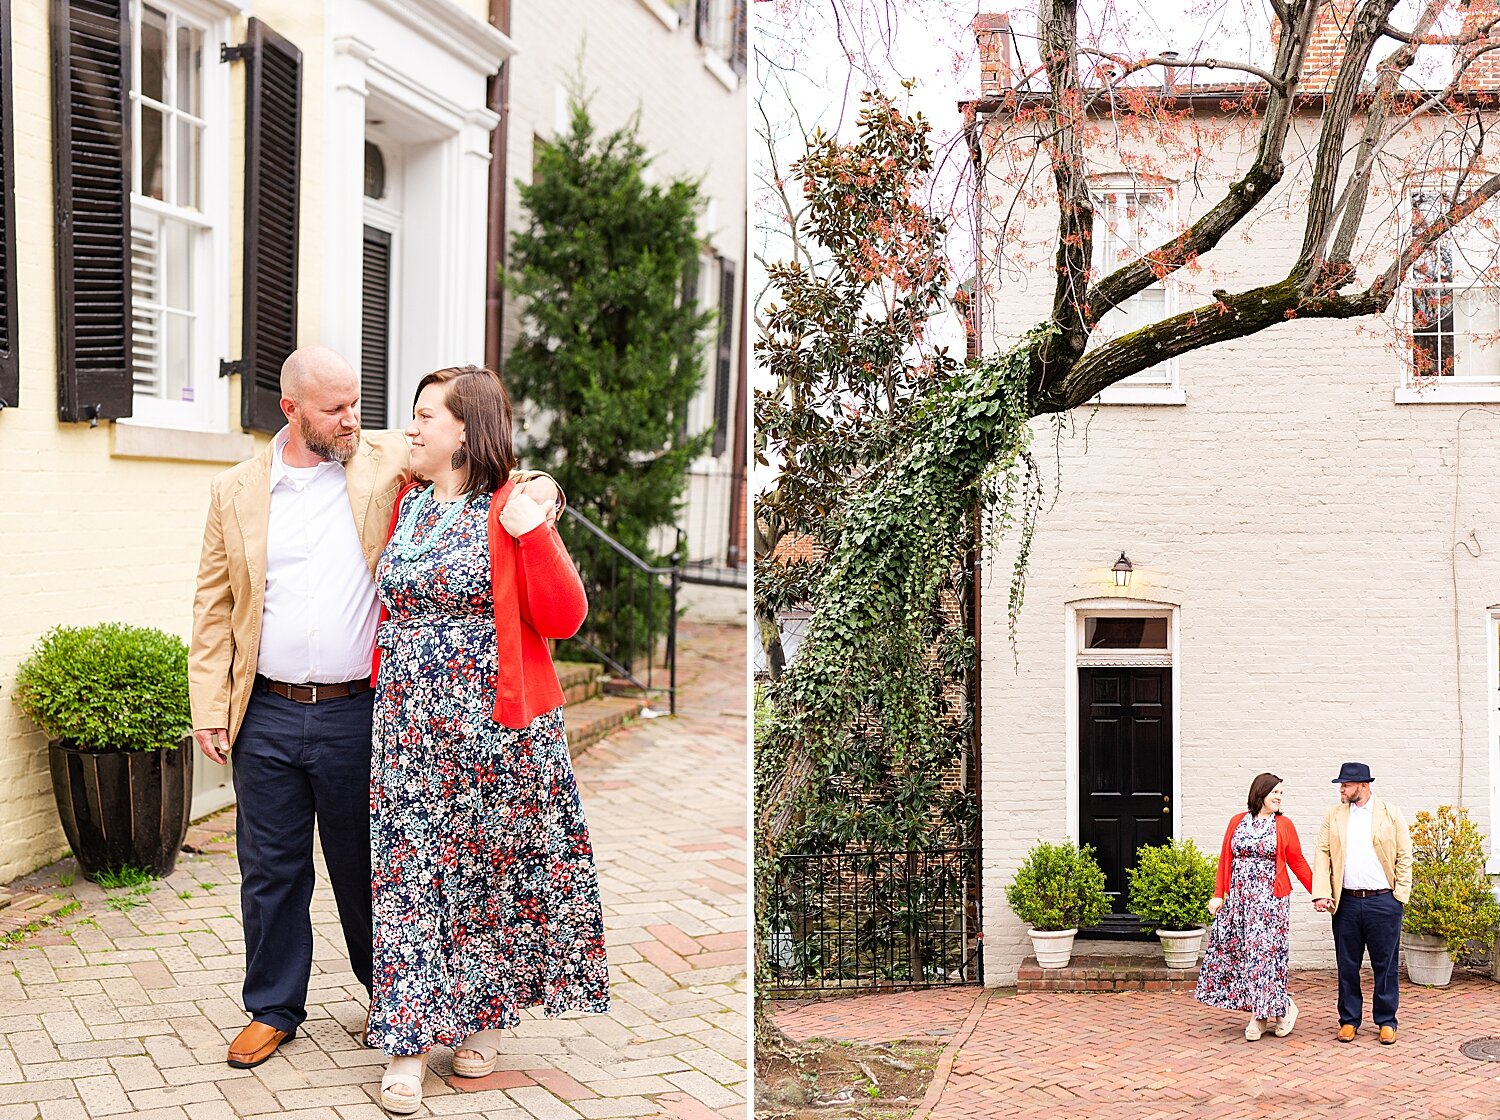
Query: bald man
[279, 671]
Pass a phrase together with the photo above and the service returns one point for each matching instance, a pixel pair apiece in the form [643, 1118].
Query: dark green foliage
[1058, 887]
[108, 687]
[610, 355]
[1170, 886]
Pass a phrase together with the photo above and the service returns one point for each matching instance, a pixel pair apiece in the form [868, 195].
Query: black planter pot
[122, 808]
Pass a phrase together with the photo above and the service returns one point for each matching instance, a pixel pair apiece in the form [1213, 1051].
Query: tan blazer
[232, 572]
[1392, 842]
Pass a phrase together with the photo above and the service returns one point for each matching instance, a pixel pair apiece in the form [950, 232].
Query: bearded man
[283, 633]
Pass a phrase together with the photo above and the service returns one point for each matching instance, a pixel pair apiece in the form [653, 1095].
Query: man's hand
[213, 742]
[1323, 905]
[521, 514]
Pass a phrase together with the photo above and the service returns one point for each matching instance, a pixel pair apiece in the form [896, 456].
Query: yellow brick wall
[85, 536]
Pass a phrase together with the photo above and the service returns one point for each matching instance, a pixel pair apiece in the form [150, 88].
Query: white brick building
[1313, 541]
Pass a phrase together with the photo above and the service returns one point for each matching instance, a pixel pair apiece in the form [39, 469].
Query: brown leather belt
[312, 693]
[1353, 893]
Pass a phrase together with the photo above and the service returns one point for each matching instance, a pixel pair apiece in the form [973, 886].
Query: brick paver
[127, 1011]
[1163, 1055]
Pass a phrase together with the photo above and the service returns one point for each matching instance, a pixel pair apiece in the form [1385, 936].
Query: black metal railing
[632, 623]
[713, 503]
[859, 920]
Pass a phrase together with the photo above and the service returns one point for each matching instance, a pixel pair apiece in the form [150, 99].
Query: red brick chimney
[1484, 72]
[993, 34]
[1320, 65]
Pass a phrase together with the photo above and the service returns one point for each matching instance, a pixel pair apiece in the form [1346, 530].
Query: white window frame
[1075, 657]
[1457, 388]
[1136, 389]
[209, 409]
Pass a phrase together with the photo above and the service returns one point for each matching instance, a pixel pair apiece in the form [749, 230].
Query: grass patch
[185, 895]
[114, 878]
[207, 888]
[66, 878]
[822, 1080]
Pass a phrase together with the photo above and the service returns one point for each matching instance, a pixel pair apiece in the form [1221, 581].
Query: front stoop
[1106, 974]
[589, 715]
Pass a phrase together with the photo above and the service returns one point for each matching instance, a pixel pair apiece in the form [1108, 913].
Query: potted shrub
[114, 701]
[1170, 886]
[1451, 901]
[1057, 889]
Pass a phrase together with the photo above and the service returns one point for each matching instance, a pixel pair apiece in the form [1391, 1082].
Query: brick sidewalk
[128, 1012]
[1164, 1056]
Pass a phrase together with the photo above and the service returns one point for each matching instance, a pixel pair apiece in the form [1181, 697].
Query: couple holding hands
[1361, 874]
[370, 640]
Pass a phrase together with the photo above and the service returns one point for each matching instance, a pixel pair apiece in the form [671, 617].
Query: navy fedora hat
[1353, 772]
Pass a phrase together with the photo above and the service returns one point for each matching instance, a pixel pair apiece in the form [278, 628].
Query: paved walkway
[1164, 1056]
[125, 1007]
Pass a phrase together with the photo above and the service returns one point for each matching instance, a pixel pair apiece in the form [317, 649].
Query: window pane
[153, 53]
[1477, 332]
[189, 67]
[189, 160]
[177, 368]
[1125, 633]
[150, 185]
[177, 265]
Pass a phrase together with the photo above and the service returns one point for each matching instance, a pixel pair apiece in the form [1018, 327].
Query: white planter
[1181, 947]
[1053, 947]
[1427, 960]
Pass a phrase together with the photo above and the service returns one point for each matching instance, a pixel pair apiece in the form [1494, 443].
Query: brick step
[580, 680]
[1106, 974]
[592, 720]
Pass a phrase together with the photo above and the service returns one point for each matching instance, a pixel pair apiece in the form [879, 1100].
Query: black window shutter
[724, 354]
[10, 365]
[739, 41]
[273, 135]
[91, 130]
[375, 330]
[702, 13]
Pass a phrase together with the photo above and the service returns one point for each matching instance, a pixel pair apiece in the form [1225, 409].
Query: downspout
[738, 461]
[494, 289]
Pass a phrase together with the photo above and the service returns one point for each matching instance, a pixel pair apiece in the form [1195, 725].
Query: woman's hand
[1214, 906]
[522, 514]
[544, 492]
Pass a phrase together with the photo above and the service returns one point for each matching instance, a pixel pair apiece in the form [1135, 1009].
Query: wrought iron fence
[631, 626]
[847, 921]
[712, 526]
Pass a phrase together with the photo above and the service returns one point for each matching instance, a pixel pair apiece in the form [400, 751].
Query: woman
[485, 894]
[1245, 965]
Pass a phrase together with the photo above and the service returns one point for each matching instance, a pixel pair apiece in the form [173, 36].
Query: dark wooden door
[1124, 770]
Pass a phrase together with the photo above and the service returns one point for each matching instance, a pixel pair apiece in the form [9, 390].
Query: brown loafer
[1346, 1032]
[254, 1044]
[1387, 1036]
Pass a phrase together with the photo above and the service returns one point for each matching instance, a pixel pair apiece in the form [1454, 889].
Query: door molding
[1074, 615]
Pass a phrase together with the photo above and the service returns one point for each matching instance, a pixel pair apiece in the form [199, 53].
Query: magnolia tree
[1367, 124]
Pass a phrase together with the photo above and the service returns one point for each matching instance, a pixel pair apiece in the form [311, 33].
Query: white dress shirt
[1362, 870]
[318, 622]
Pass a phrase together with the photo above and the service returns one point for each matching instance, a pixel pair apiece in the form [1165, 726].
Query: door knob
[1165, 809]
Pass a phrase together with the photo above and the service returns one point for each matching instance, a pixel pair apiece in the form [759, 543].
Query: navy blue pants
[296, 764]
[1374, 924]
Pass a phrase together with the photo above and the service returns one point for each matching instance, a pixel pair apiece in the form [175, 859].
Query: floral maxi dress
[486, 900]
[1245, 965]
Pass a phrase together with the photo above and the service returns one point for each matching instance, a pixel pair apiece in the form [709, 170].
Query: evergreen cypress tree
[611, 352]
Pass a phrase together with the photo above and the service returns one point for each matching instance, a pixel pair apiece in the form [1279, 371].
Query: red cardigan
[1288, 853]
[538, 595]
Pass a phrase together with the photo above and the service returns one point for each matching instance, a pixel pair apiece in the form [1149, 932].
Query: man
[283, 632]
[1362, 876]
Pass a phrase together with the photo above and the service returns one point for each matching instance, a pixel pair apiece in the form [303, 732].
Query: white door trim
[1074, 615]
